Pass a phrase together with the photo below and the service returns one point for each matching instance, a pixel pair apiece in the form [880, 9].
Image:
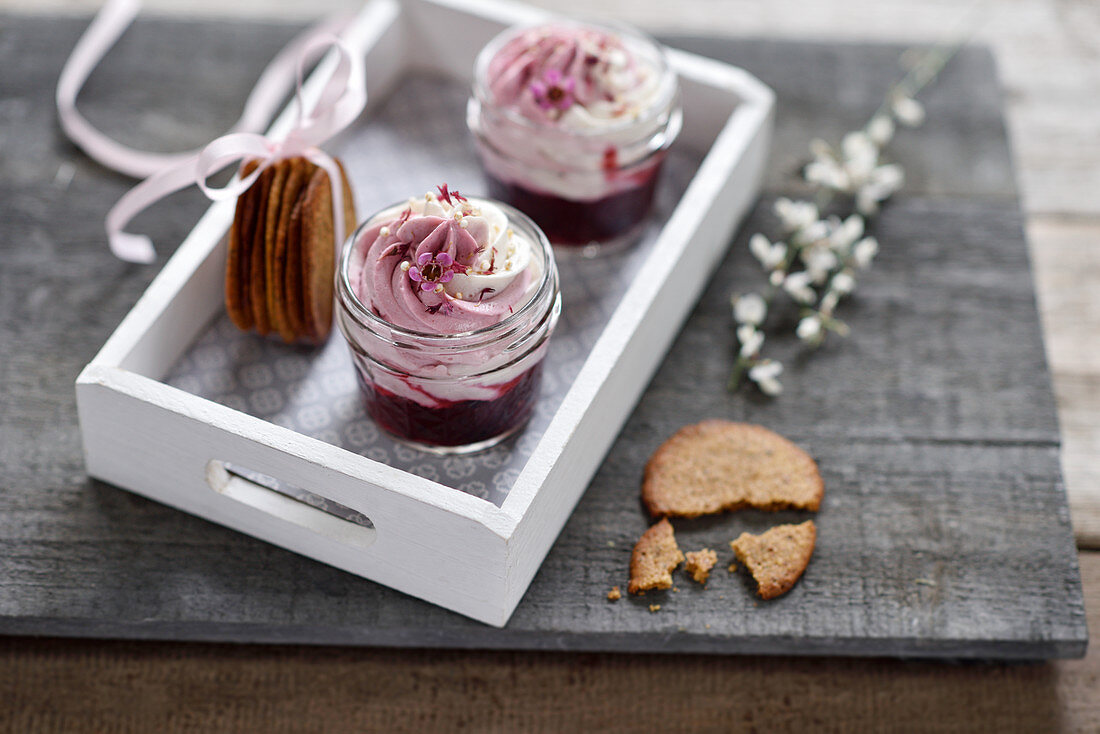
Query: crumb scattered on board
[614, 594]
[654, 607]
[699, 563]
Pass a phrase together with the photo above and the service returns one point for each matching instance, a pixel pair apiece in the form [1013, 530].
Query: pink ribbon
[339, 104]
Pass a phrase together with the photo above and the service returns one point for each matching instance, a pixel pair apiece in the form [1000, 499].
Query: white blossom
[764, 374]
[860, 156]
[812, 232]
[771, 255]
[749, 309]
[864, 252]
[827, 172]
[750, 339]
[819, 262]
[881, 129]
[798, 285]
[842, 283]
[776, 278]
[908, 111]
[846, 232]
[879, 186]
[809, 329]
[855, 171]
[795, 215]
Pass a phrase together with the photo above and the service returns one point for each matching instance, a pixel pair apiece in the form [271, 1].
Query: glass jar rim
[665, 98]
[365, 315]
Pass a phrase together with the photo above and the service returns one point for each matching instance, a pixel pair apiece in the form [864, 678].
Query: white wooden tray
[157, 419]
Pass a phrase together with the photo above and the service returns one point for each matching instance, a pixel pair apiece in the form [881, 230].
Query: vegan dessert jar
[572, 122]
[447, 304]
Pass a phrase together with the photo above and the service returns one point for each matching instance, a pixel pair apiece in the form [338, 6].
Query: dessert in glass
[573, 122]
[447, 304]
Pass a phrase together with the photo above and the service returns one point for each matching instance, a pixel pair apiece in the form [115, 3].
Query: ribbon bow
[341, 101]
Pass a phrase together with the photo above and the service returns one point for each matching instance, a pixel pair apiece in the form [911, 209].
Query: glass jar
[452, 393]
[588, 180]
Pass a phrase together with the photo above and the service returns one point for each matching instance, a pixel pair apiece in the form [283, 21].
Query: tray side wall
[137, 437]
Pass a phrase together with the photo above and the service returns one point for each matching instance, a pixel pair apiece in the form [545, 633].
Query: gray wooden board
[944, 531]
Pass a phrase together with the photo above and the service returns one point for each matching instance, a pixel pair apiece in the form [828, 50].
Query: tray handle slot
[291, 503]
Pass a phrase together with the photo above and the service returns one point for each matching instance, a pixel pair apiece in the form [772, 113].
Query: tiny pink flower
[430, 271]
[554, 90]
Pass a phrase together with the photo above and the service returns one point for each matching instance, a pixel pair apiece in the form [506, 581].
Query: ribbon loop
[341, 100]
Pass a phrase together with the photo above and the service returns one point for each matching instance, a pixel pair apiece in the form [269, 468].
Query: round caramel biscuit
[777, 558]
[258, 276]
[295, 310]
[350, 217]
[271, 224]
[281, 308]
[653, 559]
[718, 466]
[237, 260]
[318, 256]
[319, 250]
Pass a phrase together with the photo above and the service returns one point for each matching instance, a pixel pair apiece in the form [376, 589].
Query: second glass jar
[587, 179]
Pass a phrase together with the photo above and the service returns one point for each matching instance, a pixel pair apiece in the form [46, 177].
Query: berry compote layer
[458, 423]
[579, 223]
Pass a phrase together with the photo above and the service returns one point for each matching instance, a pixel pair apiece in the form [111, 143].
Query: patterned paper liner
[415, 140]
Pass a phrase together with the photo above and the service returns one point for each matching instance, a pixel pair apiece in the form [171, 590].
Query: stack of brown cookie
[282, 253]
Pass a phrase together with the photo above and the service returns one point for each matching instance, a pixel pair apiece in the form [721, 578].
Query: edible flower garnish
[431, 272]
[554, 90]
[446, 195]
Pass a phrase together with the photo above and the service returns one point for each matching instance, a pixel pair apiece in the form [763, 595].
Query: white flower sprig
[817, 261]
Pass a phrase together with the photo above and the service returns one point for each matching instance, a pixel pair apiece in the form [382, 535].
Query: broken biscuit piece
[654, 558]
[699, 563]
[777, 558]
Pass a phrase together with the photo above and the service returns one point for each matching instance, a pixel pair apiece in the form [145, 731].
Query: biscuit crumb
[777, 558]
[654, 607]
[654, 558]
[733, 567]
[614, 594]
[718, 466]
[699, 563]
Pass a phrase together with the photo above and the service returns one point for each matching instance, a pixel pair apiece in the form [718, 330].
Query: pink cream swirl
[425, 270]
[576, 76]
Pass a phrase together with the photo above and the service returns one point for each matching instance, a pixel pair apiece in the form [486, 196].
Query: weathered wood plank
[234, 688]
[945, 529]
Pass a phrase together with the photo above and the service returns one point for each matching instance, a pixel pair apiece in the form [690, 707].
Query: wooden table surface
[1049, 55]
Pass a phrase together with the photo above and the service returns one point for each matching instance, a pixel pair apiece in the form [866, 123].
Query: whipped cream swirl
[443, 265]
[577, 77]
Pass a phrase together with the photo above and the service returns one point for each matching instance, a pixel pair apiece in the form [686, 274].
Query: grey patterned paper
[414, 141]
